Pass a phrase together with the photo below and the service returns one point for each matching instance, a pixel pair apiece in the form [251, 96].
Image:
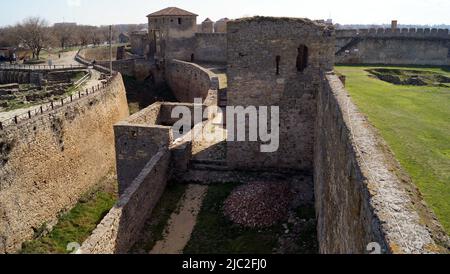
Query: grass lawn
[75, 226]
[415, 122]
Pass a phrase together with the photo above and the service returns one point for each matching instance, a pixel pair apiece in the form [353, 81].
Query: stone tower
[172, 34]
[208, 26]
[221, 25]
[278, 62]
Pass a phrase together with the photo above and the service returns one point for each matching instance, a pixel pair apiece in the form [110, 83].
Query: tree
[34, 33]
[94, 35]
[64, 33]
[8, 37]
[82, 34]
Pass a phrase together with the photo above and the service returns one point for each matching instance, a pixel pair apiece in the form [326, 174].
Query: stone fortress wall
[189, 81]
[266, 68]
[210, 47]
[362, 195]
[393, 46]
[49, 161]
[359, 200]
[147, 157]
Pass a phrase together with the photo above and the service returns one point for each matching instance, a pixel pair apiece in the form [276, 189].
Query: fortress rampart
[361, 195]
[397, 33]
[189, 81]
[51, 158]
[211, 47]
[393, 47]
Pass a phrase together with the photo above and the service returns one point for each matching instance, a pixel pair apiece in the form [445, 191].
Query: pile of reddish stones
[258, 204]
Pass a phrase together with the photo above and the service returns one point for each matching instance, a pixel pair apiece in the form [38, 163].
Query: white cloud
[74, 3]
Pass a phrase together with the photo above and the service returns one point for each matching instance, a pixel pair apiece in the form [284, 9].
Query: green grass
[415, 122]
[215, 234]
[154, 227]
[75, 226]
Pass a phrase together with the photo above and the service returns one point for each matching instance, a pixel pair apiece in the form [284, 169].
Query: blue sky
[102, 12]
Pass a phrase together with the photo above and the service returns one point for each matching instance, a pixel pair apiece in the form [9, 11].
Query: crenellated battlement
[416, 33]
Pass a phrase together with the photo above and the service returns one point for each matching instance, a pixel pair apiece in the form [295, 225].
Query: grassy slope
[415, 121]
[75, 226]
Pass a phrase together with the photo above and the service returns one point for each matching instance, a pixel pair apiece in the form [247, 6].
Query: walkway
[182, 222]
[67, 59]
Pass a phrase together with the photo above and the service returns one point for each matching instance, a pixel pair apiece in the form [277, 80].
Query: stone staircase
[208, 165]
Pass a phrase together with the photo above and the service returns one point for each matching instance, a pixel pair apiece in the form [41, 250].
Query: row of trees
[36, 34]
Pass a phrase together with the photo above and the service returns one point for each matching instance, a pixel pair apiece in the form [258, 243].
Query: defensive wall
[362, 194]
[147, 157]
[364, 200]
[210, 47]
[393, 47]
[189, 81]
[53, 155]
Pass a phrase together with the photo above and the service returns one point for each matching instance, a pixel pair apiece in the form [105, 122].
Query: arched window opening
[278, 59]
[192, 58]
[302, 58]
[179, 21]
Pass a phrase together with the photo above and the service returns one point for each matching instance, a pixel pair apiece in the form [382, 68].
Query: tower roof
[172, 11]
[207, 20]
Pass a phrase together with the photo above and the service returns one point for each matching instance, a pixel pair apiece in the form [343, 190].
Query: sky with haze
[104, 12]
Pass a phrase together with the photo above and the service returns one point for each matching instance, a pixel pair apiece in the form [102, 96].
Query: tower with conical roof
[208, 26]
[172, 34]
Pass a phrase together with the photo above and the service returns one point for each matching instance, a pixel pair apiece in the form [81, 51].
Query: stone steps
[209, 165]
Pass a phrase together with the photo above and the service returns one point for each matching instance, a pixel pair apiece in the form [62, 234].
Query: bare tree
[34, 33]
[82, 35]
[94, 35]
[8, 37]
[64, 33]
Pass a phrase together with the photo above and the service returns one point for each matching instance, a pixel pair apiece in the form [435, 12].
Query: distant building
[123, 38]
[394, 25]
[207, 26]
[65, 24]
[139, 42]
[172, 34]
[221, 25]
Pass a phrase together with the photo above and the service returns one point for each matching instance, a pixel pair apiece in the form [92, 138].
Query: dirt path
[67, 58]
[182, 223]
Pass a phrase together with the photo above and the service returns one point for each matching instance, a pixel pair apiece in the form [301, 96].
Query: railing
[40, 67]
[80, 82]
[52, 105]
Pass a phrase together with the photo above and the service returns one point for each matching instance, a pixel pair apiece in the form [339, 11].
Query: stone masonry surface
[49, 161]
[120, 229]
[359, 197]
[254, 46]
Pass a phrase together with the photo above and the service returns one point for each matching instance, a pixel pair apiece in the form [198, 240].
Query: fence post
[62, 102]
[71, 98]
[29, 114]
[79, 94]
[1, 126]
[51, 103]
[42, 110]
[15, 120]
